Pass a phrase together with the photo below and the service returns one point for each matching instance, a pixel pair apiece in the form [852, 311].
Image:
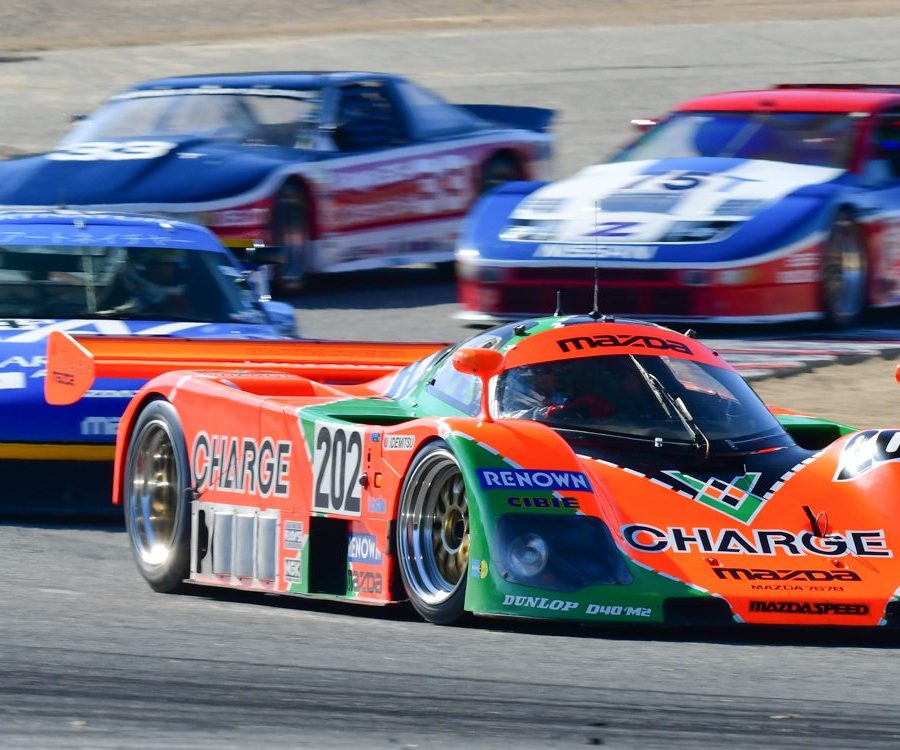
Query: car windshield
[636, 396]
[159, 283]
[273, 117]
[800, 138]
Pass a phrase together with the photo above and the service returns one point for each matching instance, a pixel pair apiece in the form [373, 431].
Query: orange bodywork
[820, 548]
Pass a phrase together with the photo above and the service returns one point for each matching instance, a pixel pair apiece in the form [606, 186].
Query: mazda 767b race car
[576, 468]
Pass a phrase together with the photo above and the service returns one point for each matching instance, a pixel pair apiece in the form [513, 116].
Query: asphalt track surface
[91, 658]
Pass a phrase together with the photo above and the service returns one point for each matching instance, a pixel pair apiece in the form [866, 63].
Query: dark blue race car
[348, 171]
[104, 275]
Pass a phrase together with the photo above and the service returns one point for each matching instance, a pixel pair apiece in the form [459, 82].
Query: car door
[393, 196]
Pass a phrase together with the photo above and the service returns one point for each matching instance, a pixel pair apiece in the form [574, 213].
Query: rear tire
[844, 273]
[433, 535]
[290, 229]
[157, 497]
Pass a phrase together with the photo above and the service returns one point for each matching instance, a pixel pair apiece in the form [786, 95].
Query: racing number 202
[336, 466]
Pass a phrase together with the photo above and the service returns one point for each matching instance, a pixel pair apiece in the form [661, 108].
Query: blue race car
[103, 275]
[752, 206]
[347, 171]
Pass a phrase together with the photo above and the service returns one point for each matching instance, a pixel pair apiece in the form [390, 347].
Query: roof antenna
[559, 311]
[595, 313]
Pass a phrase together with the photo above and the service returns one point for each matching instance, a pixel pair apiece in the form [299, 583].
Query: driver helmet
[154, 274]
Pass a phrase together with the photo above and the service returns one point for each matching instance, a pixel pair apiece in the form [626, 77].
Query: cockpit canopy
[644, 396]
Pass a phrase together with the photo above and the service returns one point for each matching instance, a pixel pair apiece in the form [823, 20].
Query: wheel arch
[124, 436]
[300, 182]
[506, 153]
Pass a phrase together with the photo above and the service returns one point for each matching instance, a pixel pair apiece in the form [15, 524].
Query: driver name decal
[645, 538]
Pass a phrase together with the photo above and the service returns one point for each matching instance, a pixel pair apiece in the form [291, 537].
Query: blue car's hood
[658, 212]
[145, 174]
[25, 416]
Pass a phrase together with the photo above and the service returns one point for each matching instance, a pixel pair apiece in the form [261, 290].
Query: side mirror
[483, 364]
[264, 255]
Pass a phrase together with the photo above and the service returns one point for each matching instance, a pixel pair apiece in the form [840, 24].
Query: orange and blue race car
[575, 468]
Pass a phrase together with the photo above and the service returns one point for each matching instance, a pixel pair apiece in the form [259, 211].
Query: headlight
[557, 552]
[697, 231]
[532, 230]
[527, 556]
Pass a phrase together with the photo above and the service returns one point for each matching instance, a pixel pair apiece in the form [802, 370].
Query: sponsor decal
[616, 610]
[797, 276]
[377, 505]
[376, 437]
[109, 393]
[293, 570]
[24, 363]
[865, 451]
[809, 608]
[732, 498]
[245, 465]
[795, 587]
[579, 343]
[613, 229]
[398, 442]
[539, 602]
[99, 425]
[543, 502]
[478, 569]
[364, 581]
[336, 469]
[293, 535]
[596, 252]
[644, 538]
[765, 574]
[362, 548]
[542, 479]
[10, 381]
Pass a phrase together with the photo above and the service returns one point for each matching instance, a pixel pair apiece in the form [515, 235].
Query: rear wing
[75, 362]
[529, 118]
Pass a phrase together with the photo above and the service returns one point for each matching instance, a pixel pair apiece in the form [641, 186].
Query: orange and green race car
[572, 468]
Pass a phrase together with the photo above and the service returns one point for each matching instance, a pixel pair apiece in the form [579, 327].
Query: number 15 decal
[337, 461]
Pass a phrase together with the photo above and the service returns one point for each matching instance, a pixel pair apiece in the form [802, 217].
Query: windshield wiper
[677, 405]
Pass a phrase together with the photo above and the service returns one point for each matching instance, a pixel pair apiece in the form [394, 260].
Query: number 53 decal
[337, 461]
[111, 151]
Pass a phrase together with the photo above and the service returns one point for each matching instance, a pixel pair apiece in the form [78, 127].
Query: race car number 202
[337, 462]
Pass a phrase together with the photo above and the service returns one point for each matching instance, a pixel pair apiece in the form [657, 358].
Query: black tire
[157, 497]
[433, 535]
[499, 169]
[290, 229]
[844, 273]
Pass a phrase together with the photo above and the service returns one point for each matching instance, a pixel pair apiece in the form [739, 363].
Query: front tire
[433, 535]
[290, 229]
[157, 494]
[844, 273]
